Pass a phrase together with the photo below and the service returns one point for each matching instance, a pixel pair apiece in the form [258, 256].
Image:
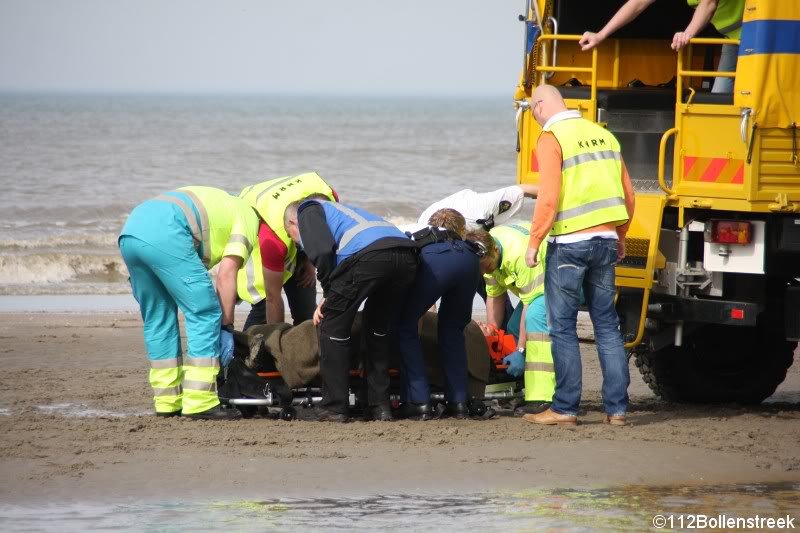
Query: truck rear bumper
[707, 311]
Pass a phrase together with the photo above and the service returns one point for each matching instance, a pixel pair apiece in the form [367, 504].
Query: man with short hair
[584, 208]
[360, 258]
[284, 266]
[503, 266]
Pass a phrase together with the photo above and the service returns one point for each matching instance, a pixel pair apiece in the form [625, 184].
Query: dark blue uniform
[447, 270]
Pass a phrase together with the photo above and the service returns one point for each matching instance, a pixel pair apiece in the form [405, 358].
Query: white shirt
[558, 117]
[501, 204]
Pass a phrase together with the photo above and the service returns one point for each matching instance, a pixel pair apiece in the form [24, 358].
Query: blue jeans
[727, 63]
[570, 267]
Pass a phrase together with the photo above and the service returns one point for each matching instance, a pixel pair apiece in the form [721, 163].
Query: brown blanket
[294, 352]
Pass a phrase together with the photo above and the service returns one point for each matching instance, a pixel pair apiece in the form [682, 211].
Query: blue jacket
[331, 233]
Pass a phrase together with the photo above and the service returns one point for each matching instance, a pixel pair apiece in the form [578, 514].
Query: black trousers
[380, 279]
[302, 304]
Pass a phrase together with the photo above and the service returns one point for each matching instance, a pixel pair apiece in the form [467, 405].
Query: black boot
[380, 413]
[414, 411]
[458, 410]
[216, 413]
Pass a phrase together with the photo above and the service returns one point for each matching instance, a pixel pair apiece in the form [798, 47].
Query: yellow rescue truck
[708, 295]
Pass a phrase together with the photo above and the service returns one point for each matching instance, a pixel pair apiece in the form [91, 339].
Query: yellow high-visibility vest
[270, 199]
[225, 225]
[727, 18]
[512, 273]
[591, 177]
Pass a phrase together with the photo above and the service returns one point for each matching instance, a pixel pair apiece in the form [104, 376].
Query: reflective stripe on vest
[593, 156]
[591, 189]
[241, 239]
[352, 228]
[727, 18]
[513, 241]
[249, 279]
[270, 199]
[362, 224]
[588, 208]
[228, 224]
[191, 219]
[537, 283]
[206, 239]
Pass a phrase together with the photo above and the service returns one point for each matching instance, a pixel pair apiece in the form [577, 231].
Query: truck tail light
[728, 232]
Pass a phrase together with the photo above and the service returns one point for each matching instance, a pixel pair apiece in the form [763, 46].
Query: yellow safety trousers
[540, 375]
[189, 388]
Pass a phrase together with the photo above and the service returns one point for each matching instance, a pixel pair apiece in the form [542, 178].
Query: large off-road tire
[719, 364]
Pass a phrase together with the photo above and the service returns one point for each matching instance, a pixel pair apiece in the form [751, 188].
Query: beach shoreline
[75, 424]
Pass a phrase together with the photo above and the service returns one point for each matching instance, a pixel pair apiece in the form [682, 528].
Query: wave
[106, 241]
[66, 289]
[47, 269]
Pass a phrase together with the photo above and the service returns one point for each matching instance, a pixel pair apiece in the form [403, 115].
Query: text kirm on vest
[592, 142]
[285, 187]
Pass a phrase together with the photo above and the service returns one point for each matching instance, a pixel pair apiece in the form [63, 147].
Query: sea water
[626, 508]
[73, 166]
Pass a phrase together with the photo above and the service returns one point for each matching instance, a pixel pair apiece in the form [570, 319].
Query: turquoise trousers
[166, 274]
[535, 318]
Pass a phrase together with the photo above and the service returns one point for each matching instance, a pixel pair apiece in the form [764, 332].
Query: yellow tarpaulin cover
[768, 72]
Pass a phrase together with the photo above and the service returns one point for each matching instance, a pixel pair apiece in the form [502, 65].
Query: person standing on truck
[725, 15]
[284, 266]
[168, 244]
[360, 258]
[448, 270]
[585, 204]
[505, 270]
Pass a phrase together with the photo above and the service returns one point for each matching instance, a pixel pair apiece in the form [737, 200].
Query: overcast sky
[425, 47]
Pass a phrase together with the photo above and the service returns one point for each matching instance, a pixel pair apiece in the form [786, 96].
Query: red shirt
[273, 250]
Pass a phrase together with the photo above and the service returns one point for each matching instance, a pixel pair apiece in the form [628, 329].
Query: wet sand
[55, 367]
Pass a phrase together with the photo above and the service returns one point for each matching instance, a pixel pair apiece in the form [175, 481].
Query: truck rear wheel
[719, 364]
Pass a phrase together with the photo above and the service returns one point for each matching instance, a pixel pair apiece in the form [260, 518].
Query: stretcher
[252, 391]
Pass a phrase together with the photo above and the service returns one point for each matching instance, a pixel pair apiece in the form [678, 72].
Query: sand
[75, 424]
